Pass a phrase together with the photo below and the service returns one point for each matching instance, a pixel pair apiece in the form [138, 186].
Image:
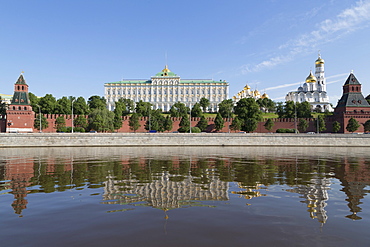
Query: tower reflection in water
[182, 181]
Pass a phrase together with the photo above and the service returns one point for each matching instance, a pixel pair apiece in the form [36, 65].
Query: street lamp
[72, 114]
[190, 119]
[40, 118]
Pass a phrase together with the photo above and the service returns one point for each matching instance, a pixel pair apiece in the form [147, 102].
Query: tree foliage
[2, 107]
[48, 104]
[249, 113]
[96, 102]
[225, 108]
[269, 124]
[266, 104]
[202, 124]
[236, 124]
[290, 110]
[367, 126]
[168, 124]
[204, 103]
[60, 124]
[336, 126]
[196, 111]
[219, 122]
[302, 125]
[80, 121]
[101, 120]
[320, 123]
[143, 109]
[80, 107]
[184, 125]
[44, 122]
[134, 122]
[179, 110]
[155, 121]
[352, 125]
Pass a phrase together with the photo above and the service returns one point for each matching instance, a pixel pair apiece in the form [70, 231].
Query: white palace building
[165, 89]
[313, 90]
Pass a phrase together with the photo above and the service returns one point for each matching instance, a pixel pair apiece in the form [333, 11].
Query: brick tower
[20, 116]
[352, 104]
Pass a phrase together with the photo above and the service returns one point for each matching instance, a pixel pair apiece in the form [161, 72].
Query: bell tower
[20, 116]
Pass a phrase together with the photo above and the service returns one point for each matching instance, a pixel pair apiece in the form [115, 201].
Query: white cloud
[329, 30]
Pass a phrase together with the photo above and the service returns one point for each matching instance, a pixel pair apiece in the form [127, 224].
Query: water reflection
[169, 178]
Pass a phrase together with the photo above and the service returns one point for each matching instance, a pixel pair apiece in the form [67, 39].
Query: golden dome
[311, 78]
[265, 95]
[166, 70]
[319, 60]
[256, 92]
[247, 87]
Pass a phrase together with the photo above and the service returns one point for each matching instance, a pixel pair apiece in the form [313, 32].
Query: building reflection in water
[179, 181]
[164, 193]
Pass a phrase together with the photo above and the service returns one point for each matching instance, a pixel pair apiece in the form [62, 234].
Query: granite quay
[9, 140]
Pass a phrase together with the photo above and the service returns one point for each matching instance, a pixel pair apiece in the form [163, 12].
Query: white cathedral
[313, 90]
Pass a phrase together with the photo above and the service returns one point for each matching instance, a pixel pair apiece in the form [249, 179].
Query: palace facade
[313, 90]
[165, 89]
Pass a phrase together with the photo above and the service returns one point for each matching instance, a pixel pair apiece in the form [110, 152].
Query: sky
[73, 47]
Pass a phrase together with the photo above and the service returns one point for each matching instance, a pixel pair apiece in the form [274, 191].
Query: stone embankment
[8, 140]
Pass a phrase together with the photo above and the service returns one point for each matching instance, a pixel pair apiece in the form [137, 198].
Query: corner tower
[20, 116]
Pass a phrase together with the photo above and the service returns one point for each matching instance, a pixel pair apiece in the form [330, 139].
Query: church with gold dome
[167, 88]
[313, 89]
[248, 93]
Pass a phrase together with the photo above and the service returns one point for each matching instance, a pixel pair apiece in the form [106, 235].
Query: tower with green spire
[20, 116]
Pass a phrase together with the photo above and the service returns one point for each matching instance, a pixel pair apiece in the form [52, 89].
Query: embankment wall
[181, 139]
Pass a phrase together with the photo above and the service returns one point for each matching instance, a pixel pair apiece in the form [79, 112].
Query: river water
[193, 196]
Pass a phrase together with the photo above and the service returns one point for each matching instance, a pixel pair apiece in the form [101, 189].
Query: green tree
[202, 124]
[80, 121]
[367, 126]
[127, 106]
[184, 124]
[156, 121]
[303, 110]
[352, 125]
[168, 124]
[336, 127]
[321, 123]
[302, 125]
[96, 102]
[134, 122]
[286, 110]
[34, 101]
[225, 108]
[179, 110]
[2, 107]
[219, 122]
[204, 103]
[236, 124]
[117, 122]
[269, 124]
[63, 106]
[266, 104]
[80, 107]
[60, 124]
[143, 108]
[196, 111]
[249, 113]
[48, 104]
[101, 120]
[44, 122]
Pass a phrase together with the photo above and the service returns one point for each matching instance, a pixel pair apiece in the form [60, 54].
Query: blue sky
[73, 47]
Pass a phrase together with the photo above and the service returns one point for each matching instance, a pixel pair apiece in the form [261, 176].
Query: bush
[285, 131]
[195, 130]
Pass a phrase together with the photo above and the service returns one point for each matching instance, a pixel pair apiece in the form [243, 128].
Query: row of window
[175, 99]
[176, 91]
